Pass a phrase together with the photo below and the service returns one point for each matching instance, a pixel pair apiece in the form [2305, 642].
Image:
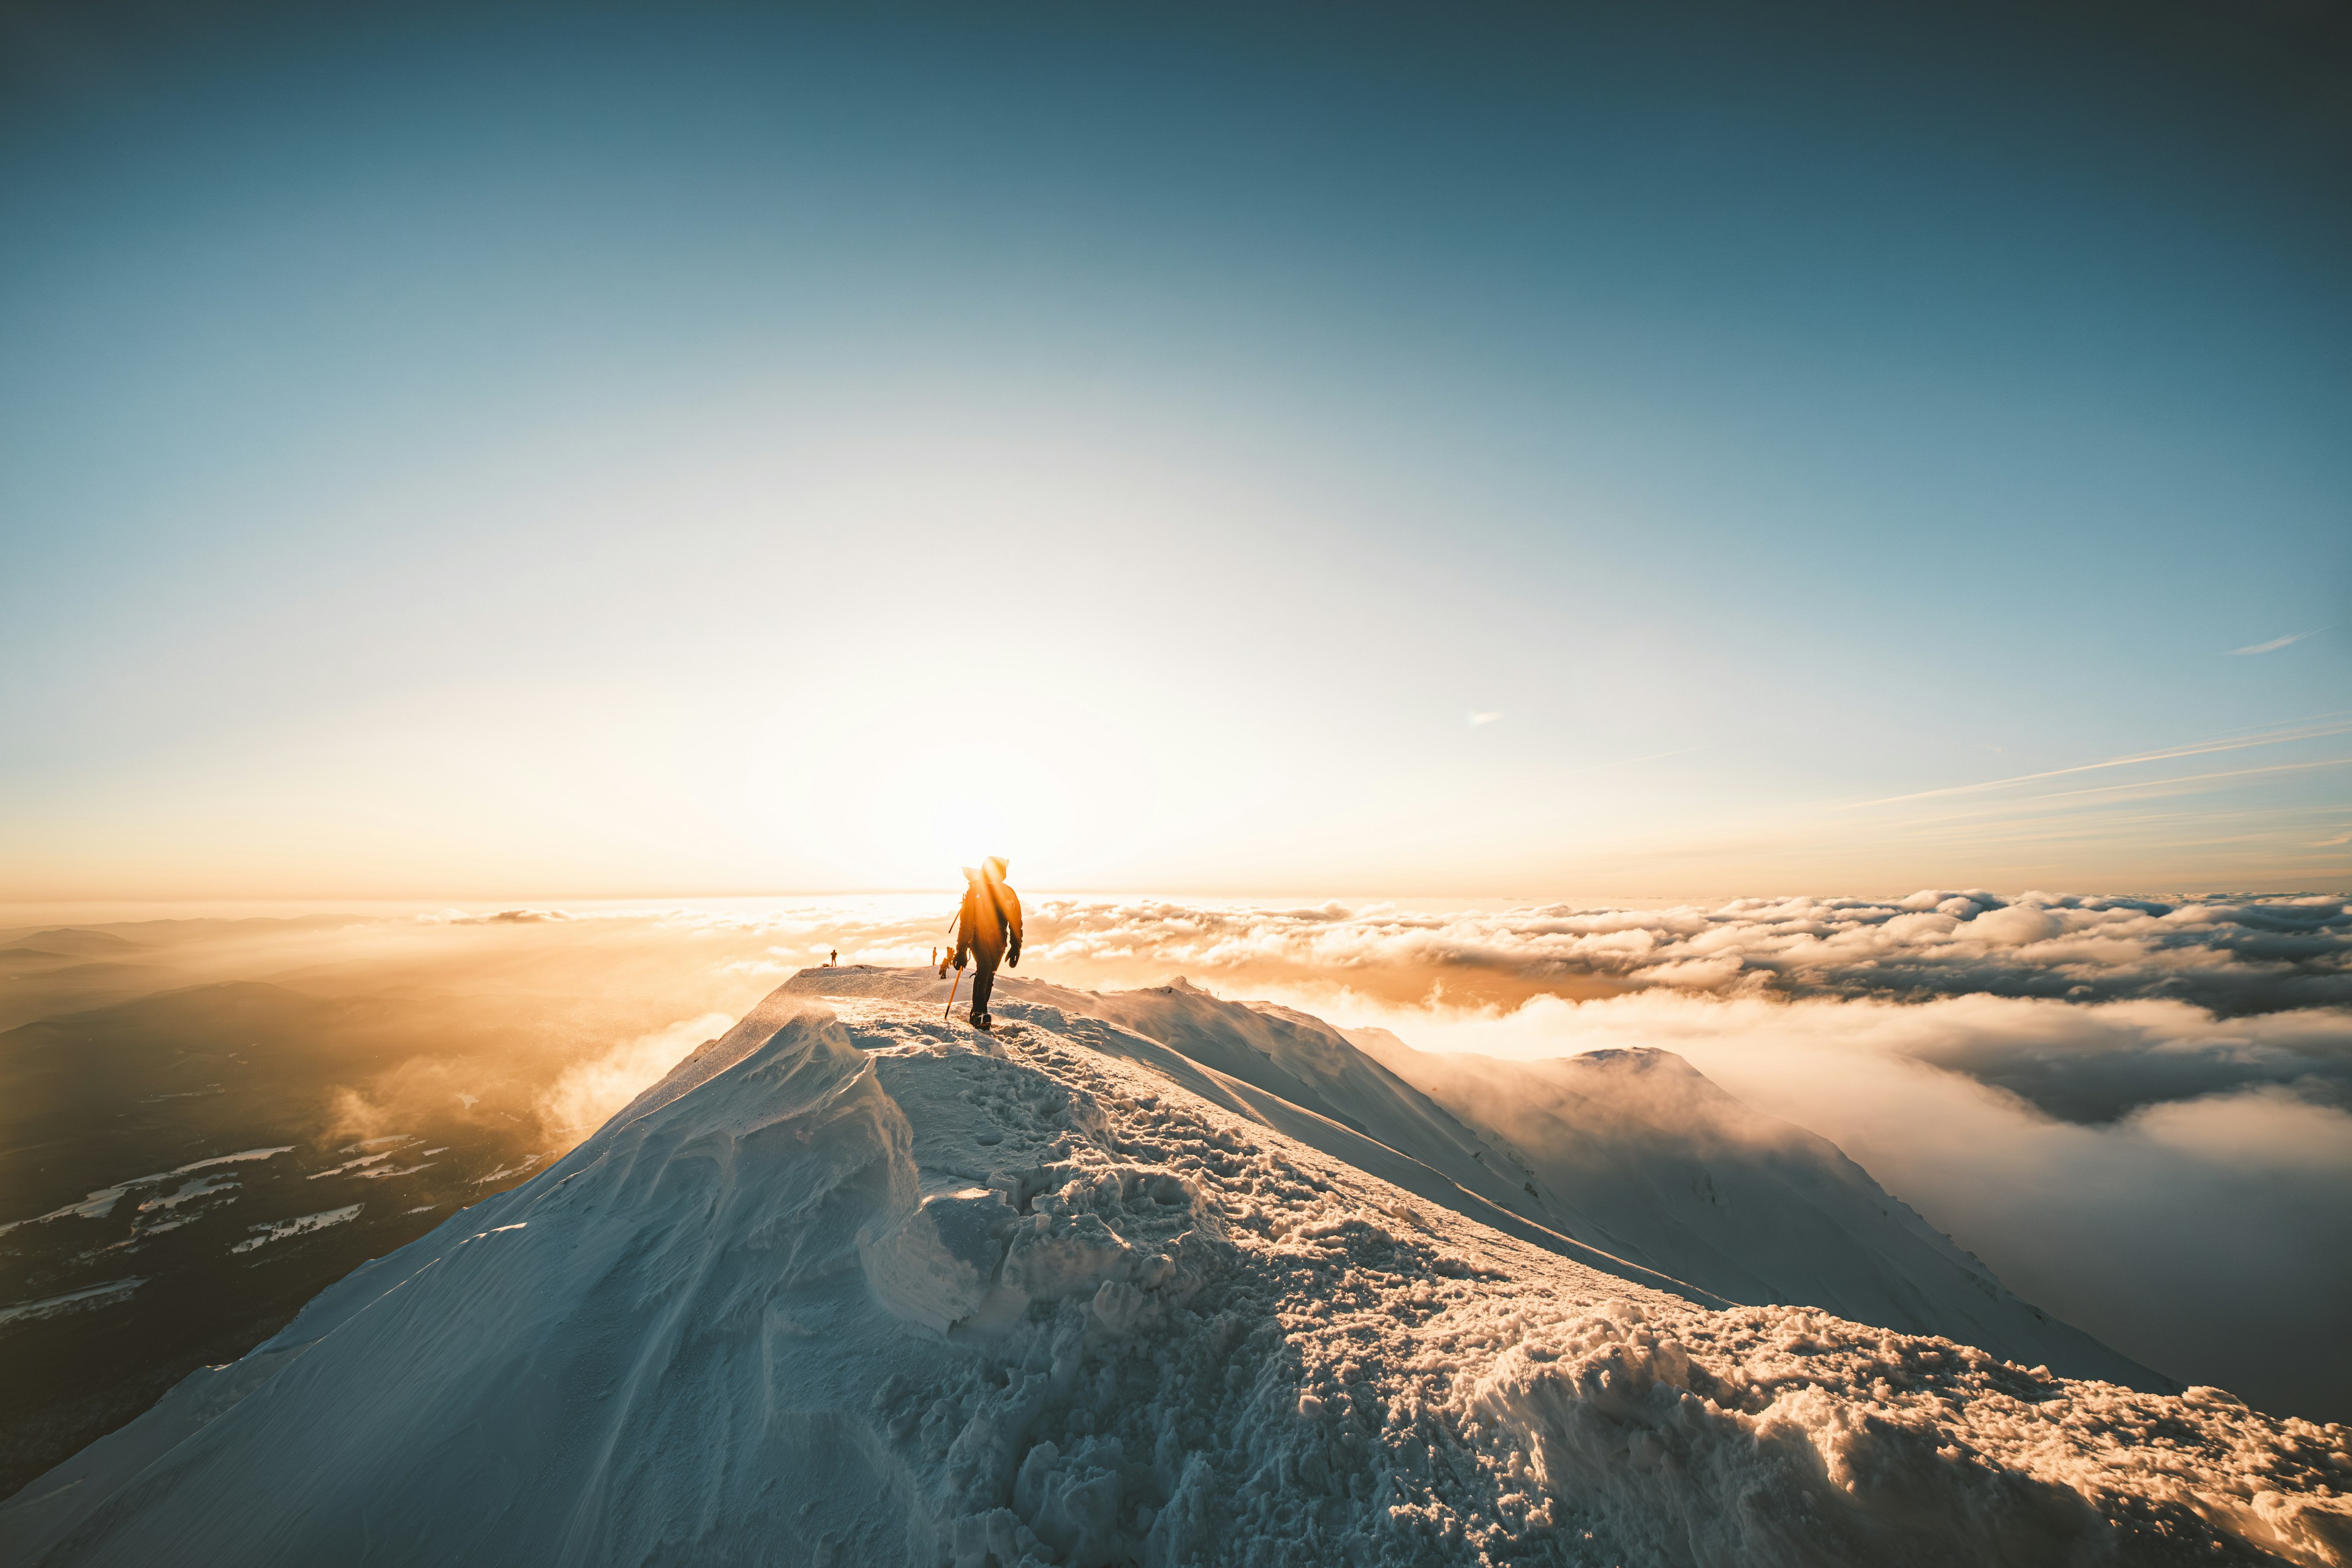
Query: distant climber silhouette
[833, 958]
[988, 929]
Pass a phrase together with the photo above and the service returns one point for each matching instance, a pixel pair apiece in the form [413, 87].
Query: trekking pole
[952, 991]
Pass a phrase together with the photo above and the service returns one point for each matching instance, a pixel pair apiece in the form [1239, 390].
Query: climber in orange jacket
[988, 930]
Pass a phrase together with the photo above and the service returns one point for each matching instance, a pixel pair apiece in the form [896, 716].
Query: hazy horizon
[17, 914]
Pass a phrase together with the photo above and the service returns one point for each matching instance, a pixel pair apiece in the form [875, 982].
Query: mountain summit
[856, 1285]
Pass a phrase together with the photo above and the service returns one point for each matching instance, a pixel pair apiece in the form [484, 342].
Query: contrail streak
[2203, 747]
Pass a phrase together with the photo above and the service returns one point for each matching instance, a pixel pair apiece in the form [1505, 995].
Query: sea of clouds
[2161, 1000]
[2231, 956]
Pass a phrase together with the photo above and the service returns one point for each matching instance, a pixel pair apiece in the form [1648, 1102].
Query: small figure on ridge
[988, 929]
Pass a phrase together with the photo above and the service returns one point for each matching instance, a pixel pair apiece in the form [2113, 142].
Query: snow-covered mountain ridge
[1683, 1177]
[1629, 1159]
[853, 1285]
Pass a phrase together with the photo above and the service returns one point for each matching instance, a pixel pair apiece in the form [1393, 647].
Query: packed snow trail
[853, 1286]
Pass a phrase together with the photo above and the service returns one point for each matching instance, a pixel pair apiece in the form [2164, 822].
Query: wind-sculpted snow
[1784, 1436]
[855, 1286]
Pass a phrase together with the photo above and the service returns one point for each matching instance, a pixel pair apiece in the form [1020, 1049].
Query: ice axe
[969, 874]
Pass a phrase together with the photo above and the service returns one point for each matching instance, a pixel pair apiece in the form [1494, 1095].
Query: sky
[1494, 451]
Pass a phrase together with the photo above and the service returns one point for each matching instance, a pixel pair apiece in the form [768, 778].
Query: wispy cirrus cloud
[2270, 647]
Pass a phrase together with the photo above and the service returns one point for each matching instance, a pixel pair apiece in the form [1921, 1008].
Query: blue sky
[496, 454]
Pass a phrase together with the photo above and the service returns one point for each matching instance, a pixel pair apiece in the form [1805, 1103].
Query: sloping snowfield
[857, 1286]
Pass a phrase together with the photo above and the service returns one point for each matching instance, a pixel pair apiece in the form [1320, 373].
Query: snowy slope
[1636, 1155]
[1697, 1185]
[854, 1285]
[1309, 1063]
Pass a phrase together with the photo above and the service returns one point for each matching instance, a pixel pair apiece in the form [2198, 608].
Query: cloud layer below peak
[2230, 956]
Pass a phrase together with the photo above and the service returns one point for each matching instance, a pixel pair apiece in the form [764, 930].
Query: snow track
[853, 1286]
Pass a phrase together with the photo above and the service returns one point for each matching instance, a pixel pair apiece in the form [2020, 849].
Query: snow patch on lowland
[72, 1300]
[203, 1187]
[384, 1173]
[361, 1164]
[853, 1285]
[100, 1203]
[301, 1224]
[503, 1172]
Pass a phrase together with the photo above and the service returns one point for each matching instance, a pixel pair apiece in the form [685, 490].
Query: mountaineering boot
[981, 1021]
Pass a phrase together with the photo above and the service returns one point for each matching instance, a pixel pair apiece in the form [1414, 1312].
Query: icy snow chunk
[1073, 1501]
[1622, 1417]
[1125, 1224]
[1052, 1256]
[936, 1265]
[1119, 1306]
[977, 1538]
[1099, 1234]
